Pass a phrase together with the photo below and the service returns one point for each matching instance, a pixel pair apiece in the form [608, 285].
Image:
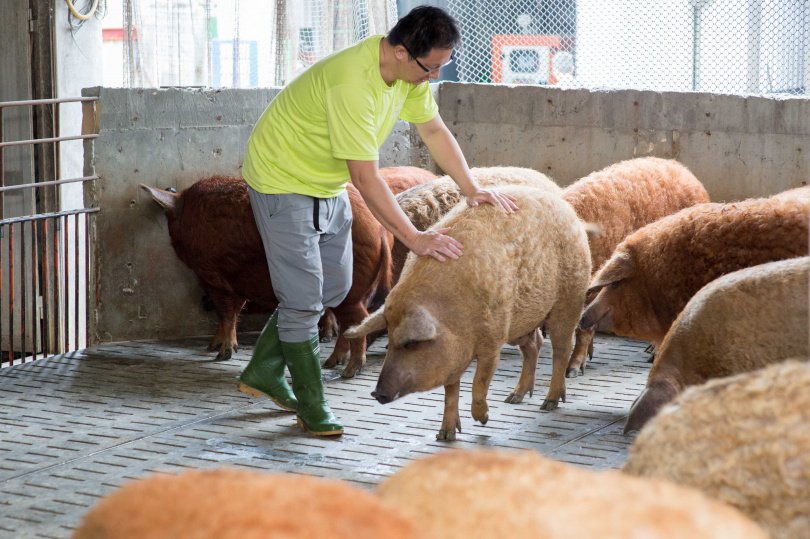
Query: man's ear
[620, 266]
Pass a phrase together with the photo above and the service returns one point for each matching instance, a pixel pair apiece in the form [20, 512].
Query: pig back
[678, 255]
[629, 195]
[514, 267]
[425, 204]
[740, 322]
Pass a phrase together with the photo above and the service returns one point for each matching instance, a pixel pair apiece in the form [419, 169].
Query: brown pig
[484, 494]
[442, 315]
[741, 322]
[742, 440]
[226, 503]
[620, 199]
[656, 270]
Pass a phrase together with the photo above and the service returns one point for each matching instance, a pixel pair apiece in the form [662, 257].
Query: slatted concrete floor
[75, 427]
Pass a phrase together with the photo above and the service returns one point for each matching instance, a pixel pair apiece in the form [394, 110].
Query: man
[324, 129]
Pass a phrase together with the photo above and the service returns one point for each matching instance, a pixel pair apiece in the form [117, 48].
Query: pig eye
[616, 284]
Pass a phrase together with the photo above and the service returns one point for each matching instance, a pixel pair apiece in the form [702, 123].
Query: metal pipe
[76, 280]
[65, 233]
[46, 332]
[4, 104]
[43, 184]
[45, 140]
[57, 172]
[11, 295]
[2, 165]
[42, 216]
[35, 294]
[22, 290]
[57, 308]
[87, 221]
[2, 229]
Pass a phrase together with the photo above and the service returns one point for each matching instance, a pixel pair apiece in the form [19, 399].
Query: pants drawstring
[316, 213]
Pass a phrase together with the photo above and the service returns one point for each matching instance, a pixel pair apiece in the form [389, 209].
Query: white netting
[724, 46]
[241, 43]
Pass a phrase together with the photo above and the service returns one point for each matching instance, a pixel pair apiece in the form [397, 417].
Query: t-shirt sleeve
[350, 119]
[419, 106]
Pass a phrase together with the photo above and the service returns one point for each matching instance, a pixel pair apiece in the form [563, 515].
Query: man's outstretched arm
[445, 150]
[379, 199]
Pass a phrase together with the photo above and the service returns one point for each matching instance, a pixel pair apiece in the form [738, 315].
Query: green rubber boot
[313, 413]
[264, 375]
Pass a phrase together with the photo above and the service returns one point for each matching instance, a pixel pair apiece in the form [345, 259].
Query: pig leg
[349, 315]
[561, 331]
[228, 308]
[530, 345]
[485, 368]
[340, 354]
[451, 421]
[651, 349]
[327, 326]
[583, 350]
[357, 359]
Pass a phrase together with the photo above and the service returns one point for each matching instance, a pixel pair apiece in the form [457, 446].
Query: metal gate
[44, 257]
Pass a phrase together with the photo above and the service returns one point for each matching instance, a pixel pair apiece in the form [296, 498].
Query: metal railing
[40, 259]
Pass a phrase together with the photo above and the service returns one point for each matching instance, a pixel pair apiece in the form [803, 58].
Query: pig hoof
[549, 405]
[350, 371]
[446, 435]
[224, 354]
[514, 398]
[480, 411]
[212, 347]
[325, 339]
[572, 372]
[330, 363]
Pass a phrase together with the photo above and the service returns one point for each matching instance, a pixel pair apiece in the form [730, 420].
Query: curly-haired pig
[656, 270]
[741, 322]
[517, 270]
[620, 199]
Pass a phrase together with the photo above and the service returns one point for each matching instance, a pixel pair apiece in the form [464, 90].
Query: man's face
[433, 62]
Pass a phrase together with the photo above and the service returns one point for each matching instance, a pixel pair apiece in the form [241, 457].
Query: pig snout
[381, 396]
[393, 384]
[592, 315]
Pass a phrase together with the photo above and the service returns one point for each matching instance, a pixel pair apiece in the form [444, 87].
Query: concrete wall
[738, 147]
[164, 138]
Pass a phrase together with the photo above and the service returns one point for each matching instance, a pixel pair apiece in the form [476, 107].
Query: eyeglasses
[426, 70]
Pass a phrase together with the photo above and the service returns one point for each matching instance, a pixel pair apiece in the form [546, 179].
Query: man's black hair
[423, 29]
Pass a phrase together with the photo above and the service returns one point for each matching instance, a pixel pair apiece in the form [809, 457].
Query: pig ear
[168, 201]
[649, 403]
[374, 322]
[592, 230]
[618, 268]
[418, 325]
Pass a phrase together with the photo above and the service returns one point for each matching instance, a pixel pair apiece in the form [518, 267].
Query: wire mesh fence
[240, 43]
[721, 46]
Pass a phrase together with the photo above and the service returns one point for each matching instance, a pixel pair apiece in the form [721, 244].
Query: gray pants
[310, 269]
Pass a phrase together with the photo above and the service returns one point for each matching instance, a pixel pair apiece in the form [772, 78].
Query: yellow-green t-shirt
[338, 109]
